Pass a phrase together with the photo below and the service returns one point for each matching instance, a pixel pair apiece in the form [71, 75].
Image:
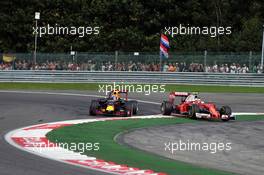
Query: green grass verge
[94, 86]
[104, 133]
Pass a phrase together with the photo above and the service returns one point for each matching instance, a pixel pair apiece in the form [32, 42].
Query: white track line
[68, 94]
[99, 96]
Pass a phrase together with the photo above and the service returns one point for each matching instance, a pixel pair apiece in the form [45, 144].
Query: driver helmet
[196, 98]
[116, 95]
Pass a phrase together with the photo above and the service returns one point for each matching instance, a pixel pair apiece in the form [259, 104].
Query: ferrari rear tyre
[166, 108]
[226, 110]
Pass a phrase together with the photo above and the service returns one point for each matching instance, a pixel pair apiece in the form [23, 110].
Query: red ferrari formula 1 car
[116, 104]
[193, 107]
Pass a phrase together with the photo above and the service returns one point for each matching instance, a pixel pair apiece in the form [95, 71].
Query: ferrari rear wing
[180, 94]
[183, 94]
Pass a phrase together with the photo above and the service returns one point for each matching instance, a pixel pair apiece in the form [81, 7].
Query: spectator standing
[233, 68]
[165, 67]
[244, 69]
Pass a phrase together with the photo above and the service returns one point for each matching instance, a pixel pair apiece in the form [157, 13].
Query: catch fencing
[250, 59]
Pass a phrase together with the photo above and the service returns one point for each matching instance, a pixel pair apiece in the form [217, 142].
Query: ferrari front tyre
[93, 107]
[166, 108]
[225, 110]
[193, 109]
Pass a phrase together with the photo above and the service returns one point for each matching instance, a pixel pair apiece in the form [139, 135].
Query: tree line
[131, 25]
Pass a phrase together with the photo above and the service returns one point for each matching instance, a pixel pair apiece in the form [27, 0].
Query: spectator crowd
[131, 66]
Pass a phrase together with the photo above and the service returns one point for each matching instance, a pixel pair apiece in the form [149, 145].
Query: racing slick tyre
[166, 108]
[93, 107]
[128, 109]
[134, 107]
[226, 110]
[193, 109]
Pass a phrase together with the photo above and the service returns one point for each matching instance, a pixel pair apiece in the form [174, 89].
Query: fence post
[116, 57]
[262, 52]
[205, 60]
[250, 61]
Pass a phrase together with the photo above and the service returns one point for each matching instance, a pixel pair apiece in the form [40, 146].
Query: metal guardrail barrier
[133, 77]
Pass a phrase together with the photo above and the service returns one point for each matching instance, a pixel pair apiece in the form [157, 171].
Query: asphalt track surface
[19, 110]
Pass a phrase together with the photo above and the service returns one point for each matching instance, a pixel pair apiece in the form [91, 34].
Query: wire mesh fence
[102, 60]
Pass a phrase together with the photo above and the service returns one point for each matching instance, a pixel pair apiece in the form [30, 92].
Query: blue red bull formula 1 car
[116, 104]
